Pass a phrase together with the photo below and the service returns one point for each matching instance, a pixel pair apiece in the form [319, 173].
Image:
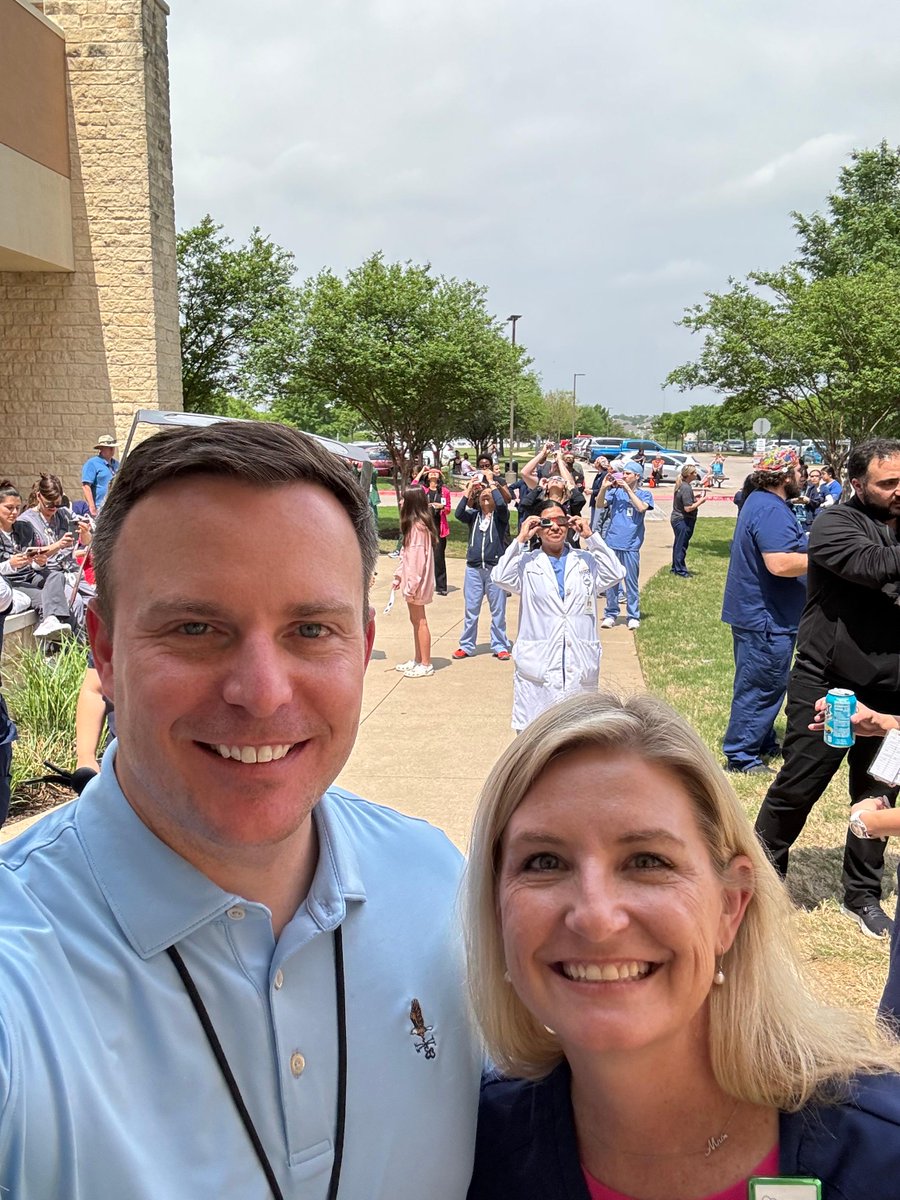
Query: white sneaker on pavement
[632, 624]
[419, 671]
[407, 666]
[607, 622]
[51, 627]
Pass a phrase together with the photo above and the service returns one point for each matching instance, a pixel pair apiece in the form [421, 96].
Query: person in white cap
[97, 473]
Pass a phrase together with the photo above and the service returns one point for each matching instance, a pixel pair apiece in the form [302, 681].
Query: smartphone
[34, 551]
[618, 476]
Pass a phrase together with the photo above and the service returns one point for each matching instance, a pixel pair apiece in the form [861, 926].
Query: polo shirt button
[298, 1064]
[279, 978]
[236, 913]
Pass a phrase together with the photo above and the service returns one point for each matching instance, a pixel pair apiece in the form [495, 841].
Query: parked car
[735, 446]
[672, 464]
[378, 456]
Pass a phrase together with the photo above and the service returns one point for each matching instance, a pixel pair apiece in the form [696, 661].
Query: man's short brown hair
[260, 453]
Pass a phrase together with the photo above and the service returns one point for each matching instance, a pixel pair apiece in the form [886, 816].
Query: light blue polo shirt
[98, 474]
[108, 1088]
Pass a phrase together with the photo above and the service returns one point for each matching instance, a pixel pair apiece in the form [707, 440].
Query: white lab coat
[557, 651]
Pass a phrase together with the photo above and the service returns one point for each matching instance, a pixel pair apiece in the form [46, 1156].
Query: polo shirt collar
[158, 898]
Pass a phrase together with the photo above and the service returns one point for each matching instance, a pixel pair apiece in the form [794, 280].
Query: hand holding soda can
[840, 705]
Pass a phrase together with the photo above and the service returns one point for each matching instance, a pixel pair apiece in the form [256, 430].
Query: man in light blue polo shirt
[628, 503]
[219, 975]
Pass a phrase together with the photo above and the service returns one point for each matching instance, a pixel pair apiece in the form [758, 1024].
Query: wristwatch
[858, 829]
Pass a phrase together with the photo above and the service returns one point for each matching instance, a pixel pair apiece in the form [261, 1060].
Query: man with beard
[849, 638]
[764, 596]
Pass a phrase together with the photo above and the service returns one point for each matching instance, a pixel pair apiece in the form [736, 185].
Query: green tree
[863, 225]
[558, 413]
[814, 346]
[415, 355]
[238, 318]
[593, 420]
[820, 356]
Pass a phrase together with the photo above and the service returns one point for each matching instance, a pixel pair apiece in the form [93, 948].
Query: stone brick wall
[80, 351]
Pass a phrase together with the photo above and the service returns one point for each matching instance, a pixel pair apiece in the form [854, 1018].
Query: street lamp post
[578, 375]
[512, 401]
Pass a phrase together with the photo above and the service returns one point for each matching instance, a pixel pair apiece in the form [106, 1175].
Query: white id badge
[629, 512]
[763, 1188]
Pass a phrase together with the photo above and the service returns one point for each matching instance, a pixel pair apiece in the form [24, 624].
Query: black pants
[809, 766]
[440, 565]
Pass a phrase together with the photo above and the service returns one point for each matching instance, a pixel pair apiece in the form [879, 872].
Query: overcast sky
[597, 166]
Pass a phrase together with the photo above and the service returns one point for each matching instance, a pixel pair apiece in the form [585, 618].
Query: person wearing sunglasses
[557, 652]
[59, 533]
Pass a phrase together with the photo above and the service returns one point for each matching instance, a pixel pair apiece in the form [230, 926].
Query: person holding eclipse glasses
[557, 651]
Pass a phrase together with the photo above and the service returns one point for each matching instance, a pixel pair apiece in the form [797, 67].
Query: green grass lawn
[685, 654]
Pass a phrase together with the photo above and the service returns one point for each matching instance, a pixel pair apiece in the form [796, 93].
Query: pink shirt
[738, 1191]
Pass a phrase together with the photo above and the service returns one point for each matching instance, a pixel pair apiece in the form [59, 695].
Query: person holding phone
[432, 480]
[557, 651]
[24, 565]
[628, 502]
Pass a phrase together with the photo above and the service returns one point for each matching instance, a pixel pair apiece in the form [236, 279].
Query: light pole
[512, 402]
[578, 375]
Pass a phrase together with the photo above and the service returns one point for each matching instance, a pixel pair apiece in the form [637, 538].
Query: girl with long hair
[432, 480]
[414, 577]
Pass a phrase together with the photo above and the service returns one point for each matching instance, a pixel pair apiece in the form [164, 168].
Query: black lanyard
[228, 1075]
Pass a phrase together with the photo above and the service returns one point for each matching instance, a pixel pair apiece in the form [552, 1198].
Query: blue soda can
[840, 705]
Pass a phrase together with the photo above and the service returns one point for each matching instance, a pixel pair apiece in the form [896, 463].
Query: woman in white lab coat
[557, 652]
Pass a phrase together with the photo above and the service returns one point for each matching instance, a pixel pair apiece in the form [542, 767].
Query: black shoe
[775, 752]
[759, 769]
[871, 918]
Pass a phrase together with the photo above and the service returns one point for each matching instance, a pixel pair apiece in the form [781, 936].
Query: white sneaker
[406, 666]
[607, 622]
[51, 627]
[632, 624]
[419, 671]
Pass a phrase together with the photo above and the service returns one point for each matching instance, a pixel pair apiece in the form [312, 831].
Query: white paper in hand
[390, 603]
[886, 763]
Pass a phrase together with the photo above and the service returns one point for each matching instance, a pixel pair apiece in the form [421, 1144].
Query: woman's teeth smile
[605, 972]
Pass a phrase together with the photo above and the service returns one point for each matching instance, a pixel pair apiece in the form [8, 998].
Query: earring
[719, 977]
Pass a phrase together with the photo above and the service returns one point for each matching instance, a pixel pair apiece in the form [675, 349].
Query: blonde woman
[634, 974]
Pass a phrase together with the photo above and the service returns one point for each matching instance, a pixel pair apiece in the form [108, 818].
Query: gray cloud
[597, 166]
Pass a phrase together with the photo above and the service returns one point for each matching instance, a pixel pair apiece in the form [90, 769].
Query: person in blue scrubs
[628, 503]
[765, 591]
[211, 887]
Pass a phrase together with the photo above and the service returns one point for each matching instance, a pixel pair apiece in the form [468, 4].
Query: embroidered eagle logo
[421, 1031]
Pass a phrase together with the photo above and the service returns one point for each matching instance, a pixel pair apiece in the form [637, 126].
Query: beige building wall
[80, 351]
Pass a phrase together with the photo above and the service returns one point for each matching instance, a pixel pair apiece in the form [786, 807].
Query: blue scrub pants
[631, 561]
[476, 585]
[762, 667]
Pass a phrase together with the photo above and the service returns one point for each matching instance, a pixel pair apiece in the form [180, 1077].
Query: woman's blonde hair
[771, 1041]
